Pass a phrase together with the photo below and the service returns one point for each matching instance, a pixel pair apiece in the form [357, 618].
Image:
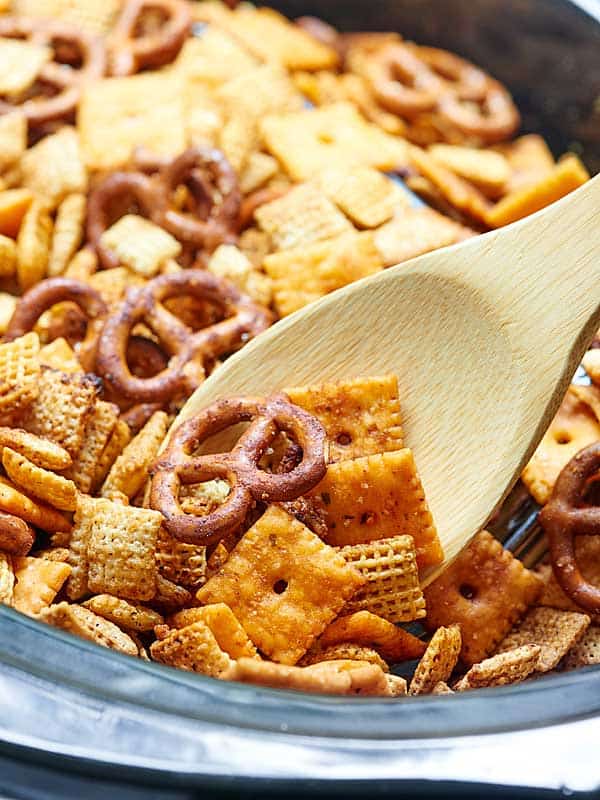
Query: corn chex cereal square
[53, 168]
[510, 667]
[230, 263]
[13, 138]
[392, 590]
[365, 195]
[117, 114]
[283, 584]
[21, 63]
[179, 562]
[193, 648]
[213, 58]
[33, 246]
[308, 142]
[414, 231]
[438, 662]
[19, 375]
[344, 651]
[487, 169]
[203, 115]
[7, 580]
[305, 274]
[259, 169]
[302, 216]
[84, 623]
[361, 416]
[375, 497]
[140, 245]
[485, 591]
[586, 651]
[68, 232]
[99, 427]
[96, 16]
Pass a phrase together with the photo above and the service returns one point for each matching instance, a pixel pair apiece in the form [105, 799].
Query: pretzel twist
[240, 467]
[568, 515]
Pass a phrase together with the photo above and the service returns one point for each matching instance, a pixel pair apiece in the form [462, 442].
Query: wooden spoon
[484, 337]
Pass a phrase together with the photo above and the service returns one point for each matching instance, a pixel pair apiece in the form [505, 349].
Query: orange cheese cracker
[368, 630]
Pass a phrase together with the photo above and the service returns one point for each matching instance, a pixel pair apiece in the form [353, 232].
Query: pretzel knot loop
[240, 467]
[189, 350]
[79, 57]
[568, 515]
[131, 52]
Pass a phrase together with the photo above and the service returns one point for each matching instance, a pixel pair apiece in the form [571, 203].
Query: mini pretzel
[16, 536]
[458, 75]
[188, 350]
[67, 81]
[130, 53]
[568, 515]
[490, 119]
[403, 83]
[239, 467]
[48, 293]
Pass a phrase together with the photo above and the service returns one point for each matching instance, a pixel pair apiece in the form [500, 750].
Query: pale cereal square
[99, 427]
[365, 195]
[19, 375]
[21, 63]
[140, 245]
[413, 232]
[213, 58]
[54, 168]
[83, 622]
[503, 669]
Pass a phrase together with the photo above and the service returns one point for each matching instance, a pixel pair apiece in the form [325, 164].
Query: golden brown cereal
[83, 622]
[226, 629]
[485, 590]
[12, 501]
[53, 168]
[118, 440]
[113, 283]
[33, 246]
[213, 58]
[488, 170]
[591, 364]
[42, 452]
[361, 416]
[140, 245]
[230, 263]
[96, 16]
[13, 138]
[587, 551]
[7, 307]
[259, 168]
[19, 375]
[60, 355]
[98, 430]
[375, 497]
[169, 595]
[130, 470]
[442, 688]
[365, 195]
[586, 651]
[202, 114]
[283, 584]
[193, 648]
[510, 667]
[368, 630]
[392, 590]
[53, 489]
[301, 217]
[343, 651]
[7, 579]
[14, 204]
[68, 232]
[254, 244]
[308, 273]
[77, 585]
[556, 632]
[530, 161]
[8, 257]
[125, 615]
[397, 685]
[37, 582]
[54, 554]
[182, 563]
[83, 265]
[21, 63]
[438, 662]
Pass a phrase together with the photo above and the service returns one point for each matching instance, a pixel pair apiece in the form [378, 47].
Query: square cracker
[21, 63]
[365, 195]
[485, 590]
[19, 375]
[556, 632]
[375, 497]
[305, 274]
[213, 58]
[37, 582]
[308, 142]
[283, 584]
[53, 168]
[118, 114]
[586, 651]
[414, 231]
[361, 416]
[438, 661]
[510, 667]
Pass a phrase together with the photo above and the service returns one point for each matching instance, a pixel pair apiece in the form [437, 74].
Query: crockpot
[80, 721]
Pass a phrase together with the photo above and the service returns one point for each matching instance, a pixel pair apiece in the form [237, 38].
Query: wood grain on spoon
[484, 337]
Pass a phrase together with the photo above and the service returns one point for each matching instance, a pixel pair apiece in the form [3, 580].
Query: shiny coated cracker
[438, 662]
[586, 651]
[140, 245]
[487, 169]
[33, 246]
[375, 497]
[8, 303]
[118, 440]
[7, 579]
[305, 274]
[96, 16]
[13, 138]
[259, 168]
[68, 232]
[485, 591]
[21, 64]
[8, 257]
[180, 562]
[232, 264]
[213, 58]
[19, 375]
[226, 629]
[14, 204]
[62, 408]
[301, 217]
[41, 483]
[574, 427]
[343, 651]
[84, 623]
[37, 582]
[392, 590]
[556, 632]
[130, 470]
[193, 648]
[369, 630]
[363, 194]
[42, 452]
[283, 584]
[53, 168]
[413, 232]
[13, 501]
[308, 142]
[126, 615]
[502, 669]
[98, 430]
[59, 355]
[529, 158]
[118, 114]
[361, 416]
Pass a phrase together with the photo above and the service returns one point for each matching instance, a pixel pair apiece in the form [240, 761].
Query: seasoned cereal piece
[283, 584]
[438, 662]
[487, 169]
[226, 629]
[100, 425]
[259, 168]
[140, 245]
[8, 304]
[118, 440]
[485, 590]
[591, 364]
[556, 632]
[182, 563]
[308, 273]
[169, 595]
[230, 263]
[365, 195]
[130, 471]
[376, 497]
[125, 615]
[68, 232]
[113, 283]
[19, 375]
[8, 257]
[7, 579]
[62, 408]
[361, 416]
[42, 452]
[83, 622]
[53, 168]
[96, 16]
[368, 630]
[302, 216]
[53, 489]
[193, 648]
[13, 138]
[442, 688]
[14, 204]
[574, 427]
[12, 501]
[77, 585]
[33, 246]
[37, 582]
[213, 58]
[397, 685]
[586, 651]
[512, 666]
[60, 355]
[21, 63]
[54, 554]
[342, 652]
[529, 158]
[392, 590]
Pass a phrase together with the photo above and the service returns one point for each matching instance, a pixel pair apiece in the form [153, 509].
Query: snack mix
[174, 177]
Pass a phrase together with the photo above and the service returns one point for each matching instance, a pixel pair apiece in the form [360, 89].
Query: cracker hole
[280, 586]
[325, 138]
[368, 518]
[343, 439]
[467, 591]
[562, 438]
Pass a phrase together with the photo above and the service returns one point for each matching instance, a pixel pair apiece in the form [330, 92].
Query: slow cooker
[79, 721]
